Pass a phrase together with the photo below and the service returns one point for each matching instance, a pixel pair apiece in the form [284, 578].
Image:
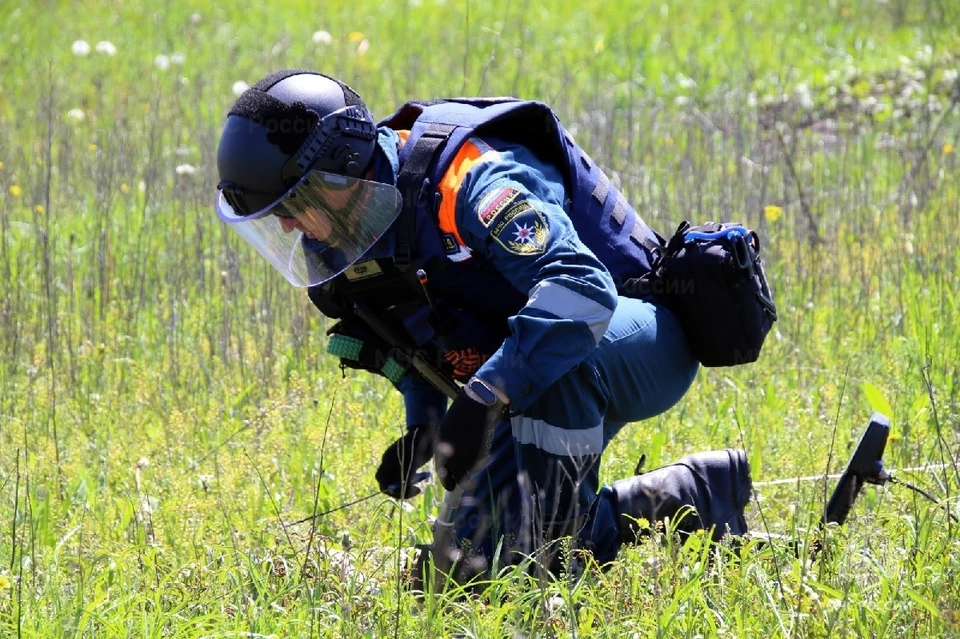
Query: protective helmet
[292, 158]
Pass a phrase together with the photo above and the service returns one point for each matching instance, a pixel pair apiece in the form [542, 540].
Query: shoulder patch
[494, 202]
[521, 230]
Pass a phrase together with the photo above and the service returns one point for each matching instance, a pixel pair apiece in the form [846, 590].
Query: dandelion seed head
[196, 18]
[186, 169]
[162, 62]
[322, 37]
[106, 47]
[80, 48]
[177, 59]
[77, 115]
[239, 87]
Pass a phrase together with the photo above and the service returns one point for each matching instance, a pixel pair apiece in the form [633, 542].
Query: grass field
[165, 400]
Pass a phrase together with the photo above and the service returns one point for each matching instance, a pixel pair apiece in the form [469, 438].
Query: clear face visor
[318, 228]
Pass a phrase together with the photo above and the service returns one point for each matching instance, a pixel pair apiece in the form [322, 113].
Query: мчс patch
[521, 230]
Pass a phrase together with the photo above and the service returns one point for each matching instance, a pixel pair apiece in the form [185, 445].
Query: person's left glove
[402, 458]
[466, 432]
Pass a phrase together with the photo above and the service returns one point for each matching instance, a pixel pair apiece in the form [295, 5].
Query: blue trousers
[540, 481]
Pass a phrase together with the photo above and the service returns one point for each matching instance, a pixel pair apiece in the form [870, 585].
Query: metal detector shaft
[387, 333]
[443, 529]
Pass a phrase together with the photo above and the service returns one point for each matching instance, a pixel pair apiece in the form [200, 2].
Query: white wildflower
[685, 83]
[162, 62]
[186, 169]
[81, 48]
[77, 115]
[681, 100]
[177, 59]
[322, 37]
[143, 462]
[106, 47]
[363, 47]
[950, 75]
[239, 87]
[802, 91]
[196, 18]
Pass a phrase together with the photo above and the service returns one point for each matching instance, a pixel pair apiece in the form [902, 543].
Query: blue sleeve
[510, 211]
[424, 404]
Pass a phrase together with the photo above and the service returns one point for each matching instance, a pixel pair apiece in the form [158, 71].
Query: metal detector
[865, 467]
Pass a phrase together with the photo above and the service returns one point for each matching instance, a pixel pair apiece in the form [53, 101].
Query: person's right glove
[401, 460]
[466, 432]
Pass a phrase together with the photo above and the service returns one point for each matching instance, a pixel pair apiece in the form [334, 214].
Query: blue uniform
[577, 364]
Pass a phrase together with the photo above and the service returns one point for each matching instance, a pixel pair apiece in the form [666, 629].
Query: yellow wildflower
[772, 213]
[355, 36]
[599, 45]
[93, 147]
[125, 187]
[1, 166]
[4, 583]
[39, 208]
[15, 190]
[947, 148]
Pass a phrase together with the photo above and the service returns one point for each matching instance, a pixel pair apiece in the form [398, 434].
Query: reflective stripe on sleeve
[560, 301]
[556, 440]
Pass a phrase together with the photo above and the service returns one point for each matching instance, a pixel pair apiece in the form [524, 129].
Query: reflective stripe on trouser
[541, 478]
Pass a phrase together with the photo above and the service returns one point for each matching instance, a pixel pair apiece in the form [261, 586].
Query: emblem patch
[362, 270]
[522, 230]
[494, 202]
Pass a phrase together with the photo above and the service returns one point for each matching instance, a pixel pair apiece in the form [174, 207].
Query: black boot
[716, 485]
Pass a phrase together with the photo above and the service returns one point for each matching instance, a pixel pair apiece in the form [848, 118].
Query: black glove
[465, 434]
[402, 458]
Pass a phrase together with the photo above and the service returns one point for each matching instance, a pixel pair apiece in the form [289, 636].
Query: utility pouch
[712, 278]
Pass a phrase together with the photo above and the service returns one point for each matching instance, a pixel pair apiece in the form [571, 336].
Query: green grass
[164, 396]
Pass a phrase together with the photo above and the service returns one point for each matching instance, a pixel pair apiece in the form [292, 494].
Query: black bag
[711, 277]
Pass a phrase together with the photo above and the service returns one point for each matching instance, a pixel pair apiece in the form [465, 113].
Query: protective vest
[602, 217]
[468, 302]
